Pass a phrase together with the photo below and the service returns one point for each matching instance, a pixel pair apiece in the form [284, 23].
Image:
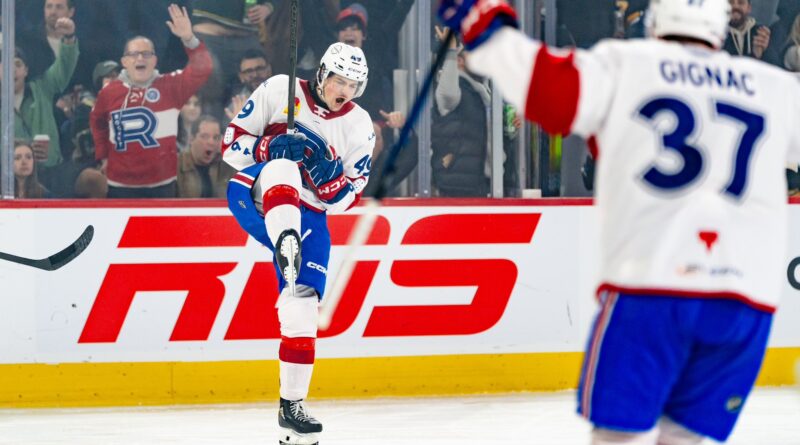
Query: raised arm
[199, 66]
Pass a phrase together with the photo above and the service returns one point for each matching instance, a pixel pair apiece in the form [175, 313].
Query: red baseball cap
[355, 10]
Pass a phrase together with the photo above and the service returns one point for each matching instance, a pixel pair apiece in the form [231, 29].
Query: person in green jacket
[34, 98]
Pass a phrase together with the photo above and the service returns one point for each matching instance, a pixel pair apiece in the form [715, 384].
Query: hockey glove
[283, 146]
[476, 20]
[326, 175]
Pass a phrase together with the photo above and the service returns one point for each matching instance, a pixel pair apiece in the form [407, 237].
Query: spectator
[79, 175]
[104, 73]
[745, 36]
[190, 112]
[201, 172]
[230, 31]
[35, 98]
[26, 181]
[380, 48]
[459, 135]
[316, 30]
[254, 69]
[42, 43]
[140, 155]
[75, 130]
[791, 57]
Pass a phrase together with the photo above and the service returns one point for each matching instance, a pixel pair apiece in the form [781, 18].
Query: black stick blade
[59, 259]
[73, 250]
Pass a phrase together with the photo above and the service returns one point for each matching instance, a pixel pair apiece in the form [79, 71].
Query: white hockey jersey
[348, 131]
[691, 145]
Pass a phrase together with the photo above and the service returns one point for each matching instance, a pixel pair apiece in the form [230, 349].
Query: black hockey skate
[287, 254]
[297, 427]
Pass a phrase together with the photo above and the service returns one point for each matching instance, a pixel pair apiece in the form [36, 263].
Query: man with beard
[745, 36]
[254, 69]
[43, 43]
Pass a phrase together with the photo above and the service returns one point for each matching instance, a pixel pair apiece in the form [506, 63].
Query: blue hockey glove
[326, 173]
[476, 20]
[283, 146]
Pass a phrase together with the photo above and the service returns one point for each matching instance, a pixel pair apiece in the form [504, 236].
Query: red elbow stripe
[553, 93]
[297, 350]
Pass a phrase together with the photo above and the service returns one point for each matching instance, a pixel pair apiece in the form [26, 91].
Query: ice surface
[771, 417]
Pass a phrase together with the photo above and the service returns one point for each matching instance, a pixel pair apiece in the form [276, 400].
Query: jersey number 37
[693, 162]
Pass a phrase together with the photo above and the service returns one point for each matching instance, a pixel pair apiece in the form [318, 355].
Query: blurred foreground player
[286, 185]
[691, 146]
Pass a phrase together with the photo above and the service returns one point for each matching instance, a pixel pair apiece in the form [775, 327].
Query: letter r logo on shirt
[134, 124]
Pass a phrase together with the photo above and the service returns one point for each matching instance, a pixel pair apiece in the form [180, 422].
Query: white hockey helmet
[705, 20]
[346, 61]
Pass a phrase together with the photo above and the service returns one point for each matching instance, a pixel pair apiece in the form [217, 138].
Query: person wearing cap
[380, 48]
[79, 175]
[316, 30]
[34, 98]
[351, 24]
[104, 73]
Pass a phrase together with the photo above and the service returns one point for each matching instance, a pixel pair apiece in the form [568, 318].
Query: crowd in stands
[127, 99]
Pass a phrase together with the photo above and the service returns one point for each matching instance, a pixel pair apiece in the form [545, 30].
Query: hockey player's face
[338, 91]
[140, 60]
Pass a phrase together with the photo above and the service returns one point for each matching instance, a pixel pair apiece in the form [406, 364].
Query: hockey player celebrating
[286, 184]
[691, 197]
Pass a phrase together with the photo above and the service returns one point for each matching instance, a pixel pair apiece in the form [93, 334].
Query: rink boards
[173, 303]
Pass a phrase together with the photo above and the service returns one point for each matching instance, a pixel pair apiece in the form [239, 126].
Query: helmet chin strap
[317, 94]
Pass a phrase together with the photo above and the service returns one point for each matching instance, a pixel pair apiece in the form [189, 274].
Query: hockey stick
[56, 260]
[292, 67]
[290, 106]
[365, 222]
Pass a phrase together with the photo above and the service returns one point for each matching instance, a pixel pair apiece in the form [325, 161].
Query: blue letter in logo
[134, 124]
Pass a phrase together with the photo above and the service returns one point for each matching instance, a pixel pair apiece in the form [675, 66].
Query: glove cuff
[483, 19]
[261, 149]
[328, 192]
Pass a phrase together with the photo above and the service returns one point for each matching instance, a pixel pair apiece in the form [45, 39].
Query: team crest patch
[296, 107]
[152, 95]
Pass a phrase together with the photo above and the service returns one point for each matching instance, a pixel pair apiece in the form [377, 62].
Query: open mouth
[350, 42]
[339, 101]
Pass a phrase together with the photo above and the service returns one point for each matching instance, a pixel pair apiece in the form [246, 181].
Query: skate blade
[292, 437]
[289, 250]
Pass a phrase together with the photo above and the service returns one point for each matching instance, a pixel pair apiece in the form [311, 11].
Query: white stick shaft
[357, 238]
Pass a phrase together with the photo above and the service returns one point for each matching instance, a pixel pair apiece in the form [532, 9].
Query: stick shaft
[292, 67]
[366, 221]
[390, 164]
